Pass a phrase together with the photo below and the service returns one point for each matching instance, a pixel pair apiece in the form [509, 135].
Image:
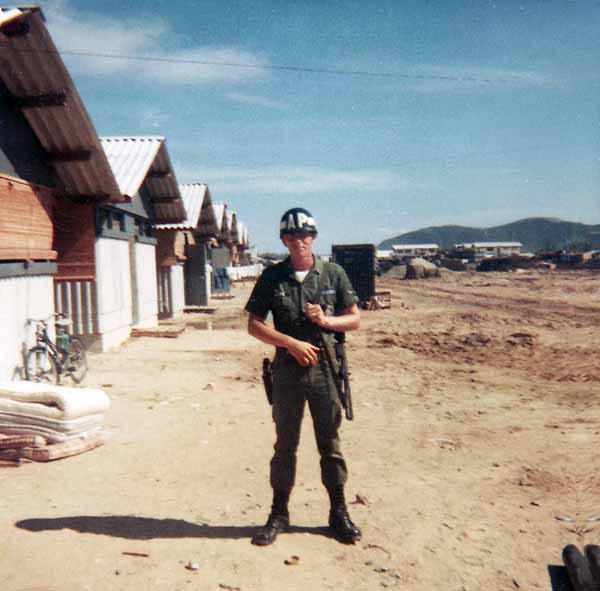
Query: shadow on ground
[147, 528]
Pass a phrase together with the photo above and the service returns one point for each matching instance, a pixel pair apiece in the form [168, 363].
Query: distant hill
[534, 233]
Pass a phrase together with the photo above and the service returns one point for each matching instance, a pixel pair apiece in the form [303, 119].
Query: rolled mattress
[54, 402]
[71, 426]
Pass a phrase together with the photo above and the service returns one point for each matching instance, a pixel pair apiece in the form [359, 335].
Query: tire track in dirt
[543, 309]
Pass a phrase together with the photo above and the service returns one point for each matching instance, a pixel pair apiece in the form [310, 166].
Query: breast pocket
[328, 300]
[282, 308]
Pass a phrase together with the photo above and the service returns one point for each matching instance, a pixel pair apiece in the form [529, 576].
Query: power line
[276, 67]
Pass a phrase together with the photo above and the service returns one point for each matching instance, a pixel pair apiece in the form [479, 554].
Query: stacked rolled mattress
[43, 422]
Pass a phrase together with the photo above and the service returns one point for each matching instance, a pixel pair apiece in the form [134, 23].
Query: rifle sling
[337, 379]
[321, 334]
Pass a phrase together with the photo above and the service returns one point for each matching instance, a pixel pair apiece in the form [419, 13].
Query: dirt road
[472, 456]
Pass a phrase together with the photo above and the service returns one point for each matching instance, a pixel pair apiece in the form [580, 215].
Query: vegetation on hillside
[536, 234]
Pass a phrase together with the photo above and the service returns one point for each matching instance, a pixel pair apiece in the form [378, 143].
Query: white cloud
[298, 180]
[204, 64]
[95, 35]
[256, 100]
[153, 117]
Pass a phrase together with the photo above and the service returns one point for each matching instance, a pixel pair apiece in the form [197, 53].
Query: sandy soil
[472, 457]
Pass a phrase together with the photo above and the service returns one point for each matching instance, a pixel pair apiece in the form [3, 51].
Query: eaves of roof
[222, 221]
[144, 160]
[42, 88]
[200, 215]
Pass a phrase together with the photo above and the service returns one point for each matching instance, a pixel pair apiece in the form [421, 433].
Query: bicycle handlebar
[46, 320]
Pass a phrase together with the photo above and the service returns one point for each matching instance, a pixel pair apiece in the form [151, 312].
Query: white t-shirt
[300, 275]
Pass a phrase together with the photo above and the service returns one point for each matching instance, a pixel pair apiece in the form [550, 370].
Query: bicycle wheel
[76, 364]
[40, 366]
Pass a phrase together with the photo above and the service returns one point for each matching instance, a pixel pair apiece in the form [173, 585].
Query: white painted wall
[22, 298]
[147, 293]
[77, 299]
[208, 279]
[178, 289]
[244, 272]
[113, 284]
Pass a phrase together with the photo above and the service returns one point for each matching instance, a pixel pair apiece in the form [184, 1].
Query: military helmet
[297, 220]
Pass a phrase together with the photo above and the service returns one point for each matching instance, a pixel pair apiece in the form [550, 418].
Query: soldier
[305, 295]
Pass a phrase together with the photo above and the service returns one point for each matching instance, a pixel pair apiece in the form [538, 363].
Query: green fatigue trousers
[292, 386]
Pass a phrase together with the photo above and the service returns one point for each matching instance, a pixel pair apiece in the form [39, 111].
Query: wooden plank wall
[164, 292]
[180, 245]
[74, 239]
[26, 230]
[170, 247]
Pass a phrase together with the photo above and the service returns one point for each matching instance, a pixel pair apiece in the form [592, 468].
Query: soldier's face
[298, 244]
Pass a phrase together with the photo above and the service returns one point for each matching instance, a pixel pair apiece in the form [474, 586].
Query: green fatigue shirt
[279, 292]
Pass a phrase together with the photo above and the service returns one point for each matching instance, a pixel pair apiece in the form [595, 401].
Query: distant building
[384, 255]
[576, 258]
[481, 250]
[187, 244]
[408, 251]
[130, 277]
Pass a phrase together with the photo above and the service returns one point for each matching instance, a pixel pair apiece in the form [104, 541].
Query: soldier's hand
[304, 353]
[315, 314]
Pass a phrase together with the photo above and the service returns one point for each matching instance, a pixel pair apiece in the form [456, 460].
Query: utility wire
[276, 67]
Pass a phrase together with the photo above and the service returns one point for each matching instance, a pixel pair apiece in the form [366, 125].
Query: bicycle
[47, 361]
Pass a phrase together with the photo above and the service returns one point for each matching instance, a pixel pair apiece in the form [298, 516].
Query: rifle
[340, 354]
[340, 378]
[267, 377]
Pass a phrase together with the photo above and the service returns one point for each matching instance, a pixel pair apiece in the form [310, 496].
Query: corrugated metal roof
[9, 14]
[130, 159]
[219, 211]
[241, 227]
[207, 225]
[200, 214]
[233, 227]
[144, 160]
[243, 235]
[226, 225]
[221, 215]
[487, 244]
[193, 199]
[35, 75]
[413, 246]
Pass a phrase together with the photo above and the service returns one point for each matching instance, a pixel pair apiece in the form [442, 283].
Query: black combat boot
[278, 521]
[339, 521]
[269, 532]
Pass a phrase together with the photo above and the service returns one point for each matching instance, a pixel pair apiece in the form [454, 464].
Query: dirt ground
[472, 457]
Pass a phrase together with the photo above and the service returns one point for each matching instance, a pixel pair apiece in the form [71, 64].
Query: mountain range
[535, 234]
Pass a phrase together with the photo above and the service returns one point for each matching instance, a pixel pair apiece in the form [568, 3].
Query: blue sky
[429, 112]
